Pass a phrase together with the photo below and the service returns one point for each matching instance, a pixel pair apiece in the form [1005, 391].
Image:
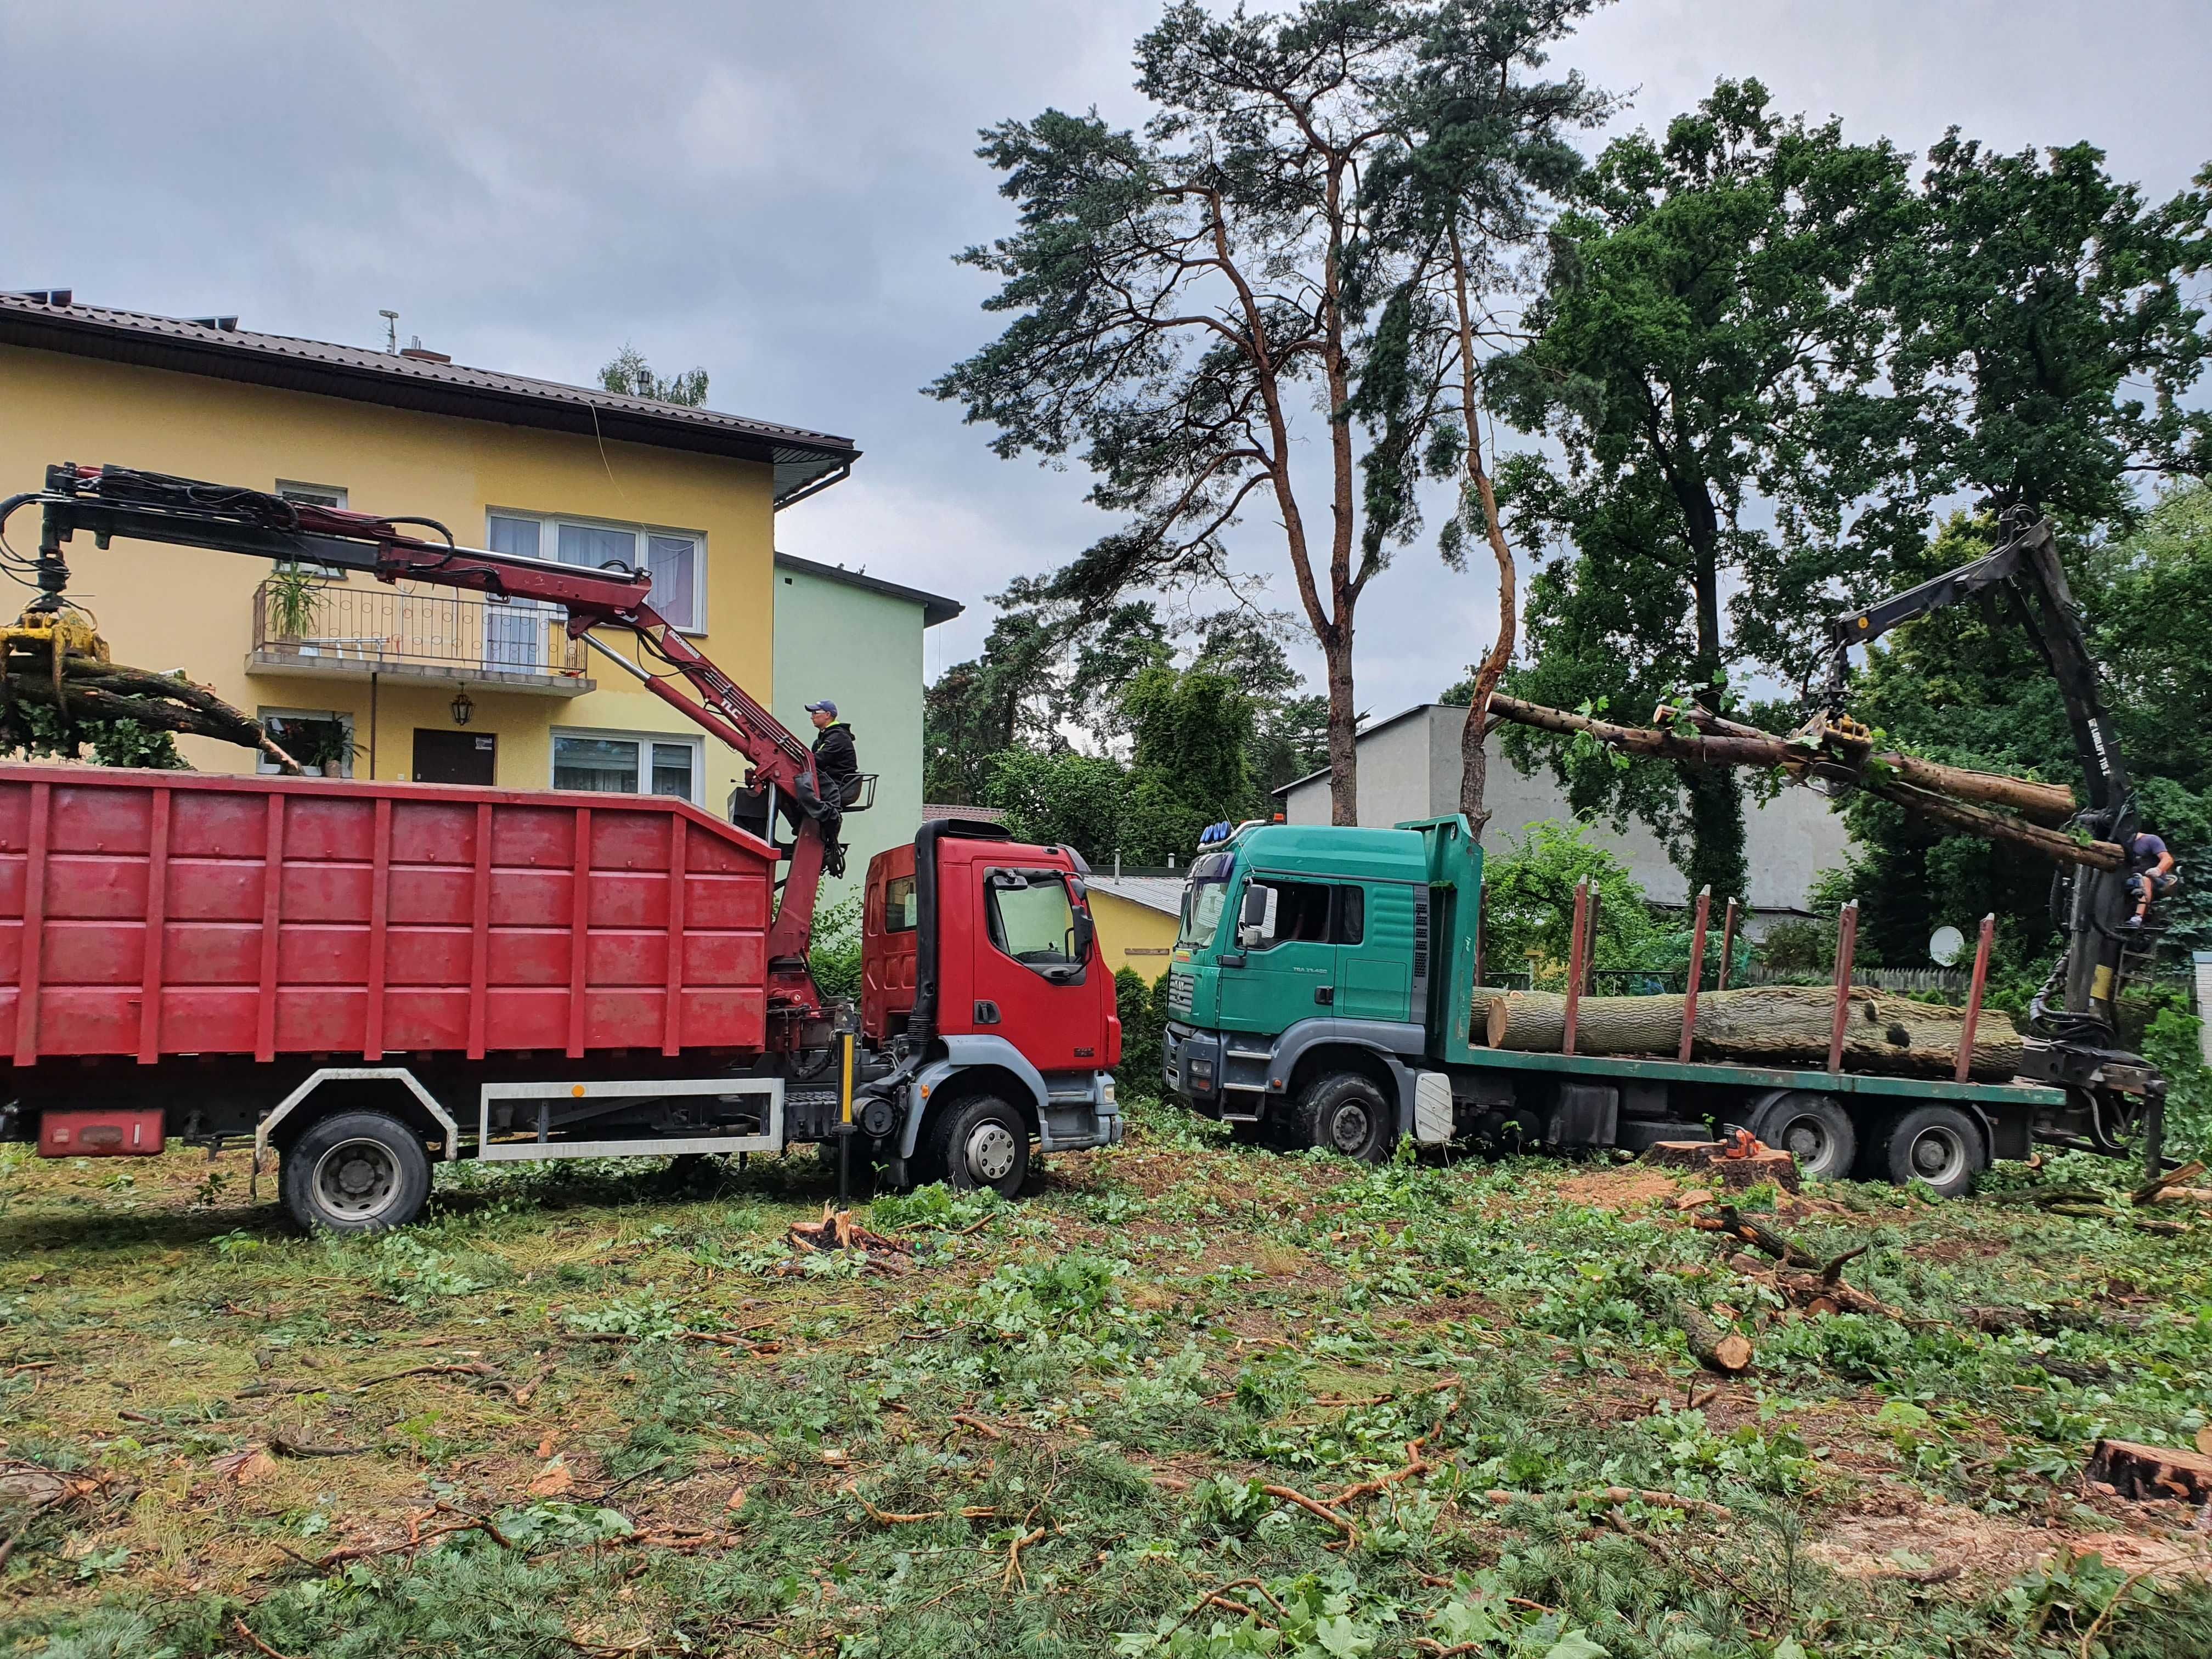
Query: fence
[338, 625]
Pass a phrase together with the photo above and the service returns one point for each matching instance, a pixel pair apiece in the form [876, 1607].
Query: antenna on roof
[390, 331]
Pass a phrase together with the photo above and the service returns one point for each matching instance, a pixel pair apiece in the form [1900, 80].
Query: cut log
[1783, 1025]
[1727, 1353]
[1940, 793]
[2138, 1471]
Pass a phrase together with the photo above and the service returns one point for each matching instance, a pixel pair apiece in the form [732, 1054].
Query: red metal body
[157, 914]
[981, 989]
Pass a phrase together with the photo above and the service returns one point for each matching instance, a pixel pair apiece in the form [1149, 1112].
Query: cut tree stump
[1787, 1024]
[1710, 1158]
[2137, 1471]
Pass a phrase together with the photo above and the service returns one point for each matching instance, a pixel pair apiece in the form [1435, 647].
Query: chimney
[422, 354]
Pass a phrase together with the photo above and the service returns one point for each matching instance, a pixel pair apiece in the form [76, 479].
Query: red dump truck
[363, 975]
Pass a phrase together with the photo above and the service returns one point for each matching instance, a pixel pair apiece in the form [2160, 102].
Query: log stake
[1974, 995]
[1847, 938]
[1696, 967]
[1575, 965]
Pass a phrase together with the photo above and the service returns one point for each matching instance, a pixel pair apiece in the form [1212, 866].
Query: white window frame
[696, 743]
[548, 535]
[321, 494]
[267, 768]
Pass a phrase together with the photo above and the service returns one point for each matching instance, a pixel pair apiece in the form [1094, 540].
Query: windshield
[1204, 898]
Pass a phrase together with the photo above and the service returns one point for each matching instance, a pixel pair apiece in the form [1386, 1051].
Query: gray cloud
[775, 192]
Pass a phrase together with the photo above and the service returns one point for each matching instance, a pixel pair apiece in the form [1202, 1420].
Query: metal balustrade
[356, 630]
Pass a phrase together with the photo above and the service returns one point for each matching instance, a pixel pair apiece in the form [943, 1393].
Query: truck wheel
[982, 1142]
[357, 1172]
[1812, 1128]
[1939, 1144]
[1346, 1114]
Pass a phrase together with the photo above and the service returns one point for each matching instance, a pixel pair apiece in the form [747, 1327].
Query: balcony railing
[356, 631]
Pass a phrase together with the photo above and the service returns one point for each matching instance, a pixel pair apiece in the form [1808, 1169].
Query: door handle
[1325, 995]
[986, 1013]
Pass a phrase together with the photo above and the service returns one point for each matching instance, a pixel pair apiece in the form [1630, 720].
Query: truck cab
[1297, 999]
[981, 969]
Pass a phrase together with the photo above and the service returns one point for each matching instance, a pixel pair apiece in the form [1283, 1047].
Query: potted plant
[293, 591]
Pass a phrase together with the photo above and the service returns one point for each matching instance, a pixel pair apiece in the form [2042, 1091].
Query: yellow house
[386, 681]
[1137, 917]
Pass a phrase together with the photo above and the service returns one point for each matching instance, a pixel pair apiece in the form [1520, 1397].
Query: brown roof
[804, 460]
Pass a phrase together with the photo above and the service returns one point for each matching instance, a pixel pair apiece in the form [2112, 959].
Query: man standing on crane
[2151, 873]
[837, 761]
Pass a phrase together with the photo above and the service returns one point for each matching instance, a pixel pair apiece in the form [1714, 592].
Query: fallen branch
[1315, 1506]
[238, 1623]
[1014, 1549]
[1416, 1465]
[104, 691]
[284, 1446]
[2151, 1190]
[989, 1431]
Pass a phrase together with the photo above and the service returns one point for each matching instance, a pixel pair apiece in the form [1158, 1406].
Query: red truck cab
[979, 954]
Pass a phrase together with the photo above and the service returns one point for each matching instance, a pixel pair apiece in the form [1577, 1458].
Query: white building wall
[1409, 768]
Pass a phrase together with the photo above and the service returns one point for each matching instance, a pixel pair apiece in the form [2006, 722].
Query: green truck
[1321, 992]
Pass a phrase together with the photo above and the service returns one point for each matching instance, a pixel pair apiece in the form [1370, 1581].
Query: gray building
[1409, 768]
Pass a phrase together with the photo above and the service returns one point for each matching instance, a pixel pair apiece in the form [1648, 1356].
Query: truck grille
[1180, 989]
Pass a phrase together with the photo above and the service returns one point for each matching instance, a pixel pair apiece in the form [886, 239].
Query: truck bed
[150, 914]
[1736, 1075]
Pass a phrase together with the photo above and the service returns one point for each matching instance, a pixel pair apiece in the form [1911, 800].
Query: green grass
[1056, 1433]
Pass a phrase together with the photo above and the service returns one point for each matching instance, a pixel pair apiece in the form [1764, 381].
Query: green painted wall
[862, 650]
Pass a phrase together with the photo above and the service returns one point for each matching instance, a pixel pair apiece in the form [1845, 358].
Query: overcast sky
[773, 192]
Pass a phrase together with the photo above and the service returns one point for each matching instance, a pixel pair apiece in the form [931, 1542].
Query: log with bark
[1950, 795]
[1780, 1024]
[93, 692]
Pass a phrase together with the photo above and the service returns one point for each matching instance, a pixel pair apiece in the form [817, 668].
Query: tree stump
[1710, 1157]
[2137, 1471]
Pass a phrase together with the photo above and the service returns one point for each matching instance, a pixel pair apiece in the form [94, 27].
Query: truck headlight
[1201, 1075]
[1106, 1097]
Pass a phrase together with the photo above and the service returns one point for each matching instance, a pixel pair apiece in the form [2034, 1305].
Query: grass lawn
[1186, 1399]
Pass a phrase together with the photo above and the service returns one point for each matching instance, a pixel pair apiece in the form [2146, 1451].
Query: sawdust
[1630, 1189]
[1889, 1533]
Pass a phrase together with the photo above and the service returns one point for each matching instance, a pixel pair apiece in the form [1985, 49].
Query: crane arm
[109, 501]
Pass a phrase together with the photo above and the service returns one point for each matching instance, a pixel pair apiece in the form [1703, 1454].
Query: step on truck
[1322, 994]
[366, 977]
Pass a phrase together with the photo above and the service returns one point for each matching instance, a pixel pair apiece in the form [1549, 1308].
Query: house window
[320, 739]
[618, 763]
[675, 559]
[312, 494]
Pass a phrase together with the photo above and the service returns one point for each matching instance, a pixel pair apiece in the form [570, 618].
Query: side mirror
[1255, 920]
[1086, 931]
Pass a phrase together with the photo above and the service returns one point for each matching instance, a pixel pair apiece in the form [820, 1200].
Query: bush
[834, 956]
[1142, 1010]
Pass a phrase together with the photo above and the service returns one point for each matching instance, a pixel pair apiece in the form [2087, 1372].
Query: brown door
[455, 757]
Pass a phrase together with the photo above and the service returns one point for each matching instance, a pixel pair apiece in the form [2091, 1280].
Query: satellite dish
[1946, 945]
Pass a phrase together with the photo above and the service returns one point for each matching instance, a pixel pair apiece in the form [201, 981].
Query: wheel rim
[1938, 1155]
[1347, 1129]
[357, 1180]
[990, 1151]
[1807, 1139]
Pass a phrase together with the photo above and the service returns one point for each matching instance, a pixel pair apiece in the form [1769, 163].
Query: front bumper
[1074, 1122]
[1190, 1066]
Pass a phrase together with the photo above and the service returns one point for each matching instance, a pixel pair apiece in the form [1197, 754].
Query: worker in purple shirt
[2151, 874]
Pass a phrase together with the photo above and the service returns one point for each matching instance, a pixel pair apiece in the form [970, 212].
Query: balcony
[338, 630]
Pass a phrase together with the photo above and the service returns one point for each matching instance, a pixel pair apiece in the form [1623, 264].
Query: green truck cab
[1322, 994]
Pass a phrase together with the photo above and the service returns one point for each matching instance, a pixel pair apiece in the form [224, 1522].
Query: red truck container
[359, 974]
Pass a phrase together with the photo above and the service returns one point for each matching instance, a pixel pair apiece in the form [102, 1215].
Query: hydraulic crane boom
[2081, 1032]
[109, 501]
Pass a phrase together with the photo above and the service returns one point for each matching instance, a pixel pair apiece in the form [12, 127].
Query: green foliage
[631, 376]
[1528, 903]
[35, 732]
[1059, 797]
[1142, 1010]
[1193, 733]
[2173, 1042]
[834, 955]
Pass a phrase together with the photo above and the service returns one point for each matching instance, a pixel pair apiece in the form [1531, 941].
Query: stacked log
[1771, 1024]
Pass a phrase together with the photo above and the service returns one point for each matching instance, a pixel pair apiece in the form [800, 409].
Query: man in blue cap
[836, 762]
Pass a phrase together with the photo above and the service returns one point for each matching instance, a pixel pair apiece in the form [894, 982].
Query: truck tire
[980, 1142]
[1814, 1128]
[1345, 1113]
[1939, 1144]
[357, 1172]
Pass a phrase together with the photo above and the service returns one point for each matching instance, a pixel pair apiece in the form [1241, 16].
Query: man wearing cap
[836, 762]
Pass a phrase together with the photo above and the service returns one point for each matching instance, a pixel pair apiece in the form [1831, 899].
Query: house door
[455, 757]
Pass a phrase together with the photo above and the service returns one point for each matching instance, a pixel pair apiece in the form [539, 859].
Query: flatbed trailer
[1323, 994]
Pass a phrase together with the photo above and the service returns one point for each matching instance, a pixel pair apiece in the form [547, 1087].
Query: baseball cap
[825, 706]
